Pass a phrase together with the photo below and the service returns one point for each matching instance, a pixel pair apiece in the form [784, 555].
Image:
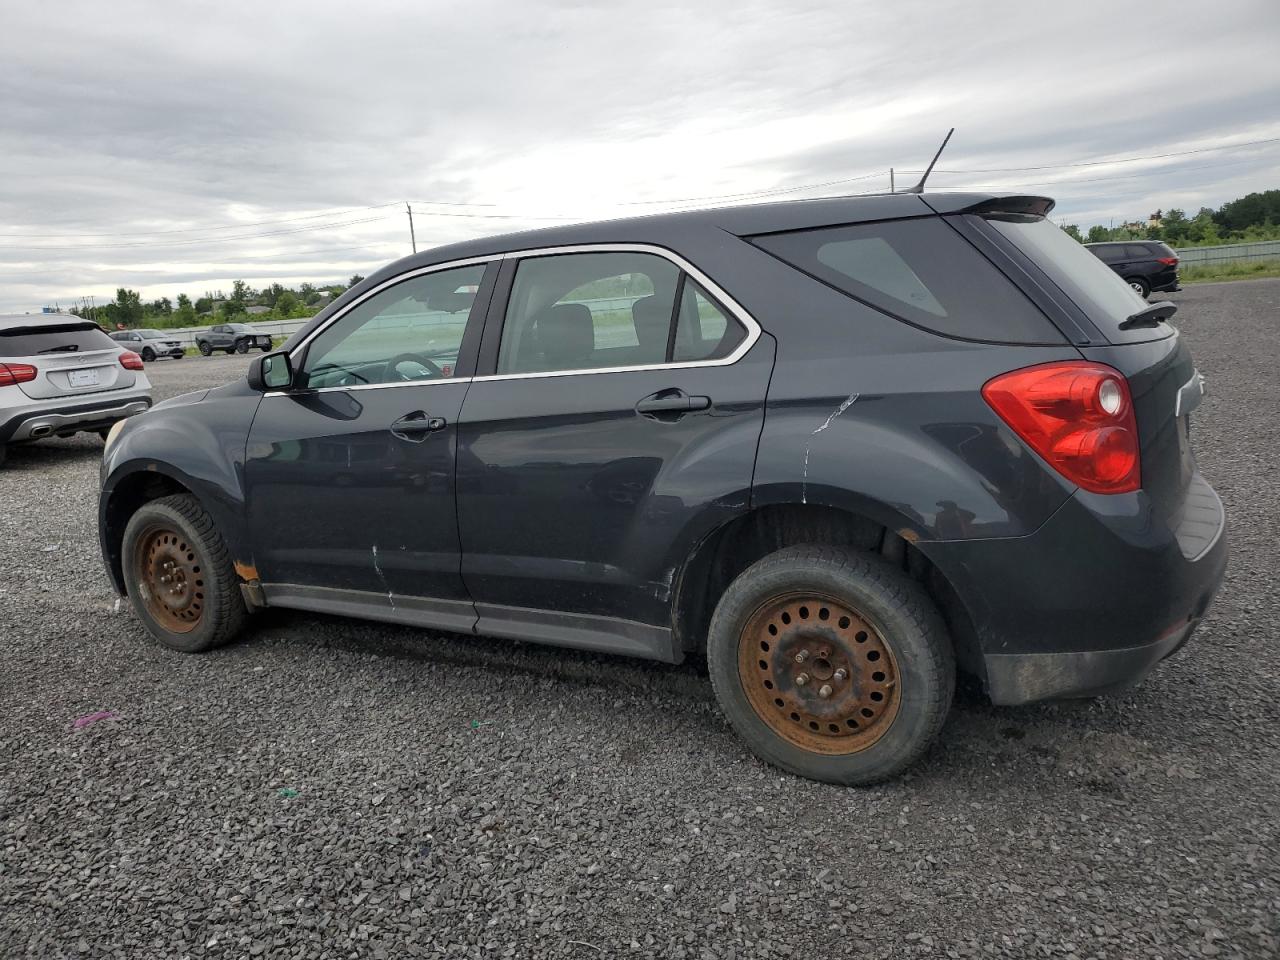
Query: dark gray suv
[838, 447]
[232, 338]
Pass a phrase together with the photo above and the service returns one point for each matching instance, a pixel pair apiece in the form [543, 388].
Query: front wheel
[205, 349]
[831, 664]
[148, 354]
[1140, 286]
[180, 577]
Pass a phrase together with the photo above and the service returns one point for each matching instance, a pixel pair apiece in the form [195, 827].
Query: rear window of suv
[920, 271]
[53, 338]
[1094, 287]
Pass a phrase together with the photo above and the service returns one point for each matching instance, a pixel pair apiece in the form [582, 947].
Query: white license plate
[83, 378]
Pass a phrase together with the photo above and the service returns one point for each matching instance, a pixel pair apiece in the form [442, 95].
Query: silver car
[60, 375]
[149, 344]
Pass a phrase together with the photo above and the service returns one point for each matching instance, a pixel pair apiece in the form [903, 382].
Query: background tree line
[281, 303]
[1252, 217]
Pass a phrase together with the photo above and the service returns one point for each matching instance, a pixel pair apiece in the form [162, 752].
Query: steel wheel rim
[168, 569]
[818, 674]
[1137, 287]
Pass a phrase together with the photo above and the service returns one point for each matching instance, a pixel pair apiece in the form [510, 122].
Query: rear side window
[703, 332]
[1139, 252]
[1097, 290]
[920, 271]
[53, 338]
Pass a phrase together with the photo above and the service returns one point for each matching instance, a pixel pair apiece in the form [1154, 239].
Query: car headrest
[652, 320]
[567, 335]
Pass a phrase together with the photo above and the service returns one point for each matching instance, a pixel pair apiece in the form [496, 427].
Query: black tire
[148, 355]
[223, 612]
[242, 346]
[104, 434]
[893, 605]
[4, 452]
[265, 349]
[204, 348]
[1140, 286]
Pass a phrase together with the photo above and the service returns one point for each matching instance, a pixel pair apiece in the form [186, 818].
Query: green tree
[185, 315]
[1072, 231]
[127, 308]
[286, 304]
[1097, 234]
[356, 278]
[1254, 209]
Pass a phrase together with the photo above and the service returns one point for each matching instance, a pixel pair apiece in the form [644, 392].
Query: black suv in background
[1146, 265]
[838, 447]
[232, 338]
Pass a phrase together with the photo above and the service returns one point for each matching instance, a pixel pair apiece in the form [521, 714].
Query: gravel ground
[337, 789]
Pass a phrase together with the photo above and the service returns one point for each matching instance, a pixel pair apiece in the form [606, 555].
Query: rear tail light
[1078, 416]
[1168, 261]
[130, 360]
[11, 373]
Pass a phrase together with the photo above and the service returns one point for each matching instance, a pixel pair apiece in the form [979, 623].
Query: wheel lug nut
[825, 690]
[841, 673]
[802, 679]
[802, 656]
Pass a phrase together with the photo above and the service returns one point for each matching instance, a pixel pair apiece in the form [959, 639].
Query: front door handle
[415, 426]
[671, 403]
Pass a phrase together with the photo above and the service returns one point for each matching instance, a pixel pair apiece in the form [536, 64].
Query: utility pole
[412, 239]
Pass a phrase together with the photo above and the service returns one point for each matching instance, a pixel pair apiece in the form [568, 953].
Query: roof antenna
[919, 187]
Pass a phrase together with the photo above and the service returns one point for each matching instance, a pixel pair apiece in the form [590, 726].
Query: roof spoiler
[1025, 206]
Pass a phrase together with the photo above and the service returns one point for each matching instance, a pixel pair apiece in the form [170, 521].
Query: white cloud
[141, 119]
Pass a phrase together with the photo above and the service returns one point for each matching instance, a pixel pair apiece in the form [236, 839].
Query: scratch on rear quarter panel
[804, 480]
[391, 599]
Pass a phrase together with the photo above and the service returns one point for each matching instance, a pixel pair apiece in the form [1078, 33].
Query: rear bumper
[61, 421]
[1090, 602]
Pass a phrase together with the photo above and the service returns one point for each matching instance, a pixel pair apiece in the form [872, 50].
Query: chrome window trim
[717, 292]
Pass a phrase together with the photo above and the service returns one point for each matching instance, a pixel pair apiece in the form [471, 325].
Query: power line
[230, 226]
[1099, 163]
[198, 240]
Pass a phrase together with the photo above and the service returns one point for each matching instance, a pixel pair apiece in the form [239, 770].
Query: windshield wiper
[1151, 316]
[65, 348]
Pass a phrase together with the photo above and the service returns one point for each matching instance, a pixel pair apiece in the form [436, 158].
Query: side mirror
[271, 371]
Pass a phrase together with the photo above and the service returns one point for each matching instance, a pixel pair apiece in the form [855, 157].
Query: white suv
[60, 375]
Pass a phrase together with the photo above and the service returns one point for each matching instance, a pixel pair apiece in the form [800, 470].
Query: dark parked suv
[232, 338]
[1146, 265]
[841, 447]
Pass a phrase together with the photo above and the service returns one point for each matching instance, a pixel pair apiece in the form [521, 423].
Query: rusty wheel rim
[168, 572]
[818, 674]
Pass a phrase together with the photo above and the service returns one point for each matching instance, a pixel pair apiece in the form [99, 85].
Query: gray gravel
[322, 790]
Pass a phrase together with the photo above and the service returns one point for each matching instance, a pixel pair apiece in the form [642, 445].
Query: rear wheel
[266, 348]
[831, 664]
[179, 575]
[204, 348]
[1140, 286]
[242, 346]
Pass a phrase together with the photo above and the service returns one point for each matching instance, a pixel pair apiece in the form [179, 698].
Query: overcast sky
[134, 134]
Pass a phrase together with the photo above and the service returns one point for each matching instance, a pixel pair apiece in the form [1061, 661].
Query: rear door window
[1098, 291]
[53, 338]
[921, 271]
[1139, 252]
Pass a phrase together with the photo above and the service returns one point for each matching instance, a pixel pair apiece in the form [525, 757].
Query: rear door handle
[415, 426]
[672, 402]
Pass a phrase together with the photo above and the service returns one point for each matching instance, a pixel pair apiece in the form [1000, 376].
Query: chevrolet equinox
[839, 447]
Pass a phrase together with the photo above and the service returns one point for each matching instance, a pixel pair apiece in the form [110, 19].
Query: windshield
[1093, 286]
[151, 334]
[53, 338]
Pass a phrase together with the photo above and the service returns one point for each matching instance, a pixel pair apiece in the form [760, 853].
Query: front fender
[195, 446]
